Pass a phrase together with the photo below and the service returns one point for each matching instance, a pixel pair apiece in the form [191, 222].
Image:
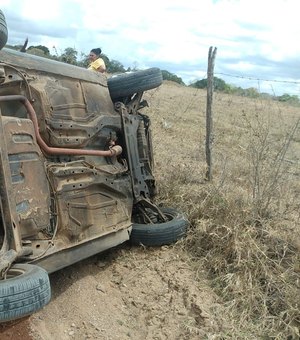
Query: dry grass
[245, 223]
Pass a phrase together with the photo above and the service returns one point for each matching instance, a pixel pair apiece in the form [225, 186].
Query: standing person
[96, 62]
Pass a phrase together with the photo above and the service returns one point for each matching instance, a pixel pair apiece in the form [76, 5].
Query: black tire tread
[161, 233]
[127, 84]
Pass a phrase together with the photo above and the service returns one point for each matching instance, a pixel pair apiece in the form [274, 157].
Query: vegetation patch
[245, 223]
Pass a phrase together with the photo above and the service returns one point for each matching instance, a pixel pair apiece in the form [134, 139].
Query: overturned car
[76, 172]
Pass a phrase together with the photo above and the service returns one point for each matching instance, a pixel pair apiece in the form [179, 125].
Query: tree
[69, 56]
[37, 51]
[172, 77]
[14, 47]
[219, 84]
[114, 66]
[288, 98]
[40, 47]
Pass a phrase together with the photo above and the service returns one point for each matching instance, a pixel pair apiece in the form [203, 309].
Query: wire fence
[259, 79]
[276, 87]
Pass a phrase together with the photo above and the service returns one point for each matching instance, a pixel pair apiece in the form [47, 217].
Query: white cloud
[254, 37]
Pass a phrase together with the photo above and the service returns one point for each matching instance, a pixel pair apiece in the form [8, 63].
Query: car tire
[158, 234]
[25, 290]
[127, 84]
[3, 30]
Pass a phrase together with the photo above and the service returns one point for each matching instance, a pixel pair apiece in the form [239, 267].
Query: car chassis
[76, 172]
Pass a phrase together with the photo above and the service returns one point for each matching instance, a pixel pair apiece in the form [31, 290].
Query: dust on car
[76, 172]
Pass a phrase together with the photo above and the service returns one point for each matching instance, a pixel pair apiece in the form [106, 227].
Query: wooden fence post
[209, 117]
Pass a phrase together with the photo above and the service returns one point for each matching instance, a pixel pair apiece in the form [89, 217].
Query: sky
[256, 40]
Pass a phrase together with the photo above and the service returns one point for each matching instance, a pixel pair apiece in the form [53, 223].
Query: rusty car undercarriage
[76, 172]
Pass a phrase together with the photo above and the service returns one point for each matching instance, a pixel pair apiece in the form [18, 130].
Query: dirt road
[126, 293]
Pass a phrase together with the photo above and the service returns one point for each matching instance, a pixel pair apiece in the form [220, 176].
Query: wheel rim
[13, 272]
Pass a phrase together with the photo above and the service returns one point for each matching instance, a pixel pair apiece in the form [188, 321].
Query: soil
[16, 330]
[139, 293]
[126, 293]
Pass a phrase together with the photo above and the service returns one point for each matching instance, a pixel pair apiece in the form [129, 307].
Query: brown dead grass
[245, 223]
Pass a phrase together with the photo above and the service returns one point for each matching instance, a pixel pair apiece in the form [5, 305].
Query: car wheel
[158, 234]
[127, 84]
[3, 30]
[25, 290]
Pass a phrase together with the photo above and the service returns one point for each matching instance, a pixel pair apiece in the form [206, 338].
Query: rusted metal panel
[9, 225]
[89, 202]
[30, 189]
[76, 164]
[59, 126]
[61, 256]
[38, 64]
